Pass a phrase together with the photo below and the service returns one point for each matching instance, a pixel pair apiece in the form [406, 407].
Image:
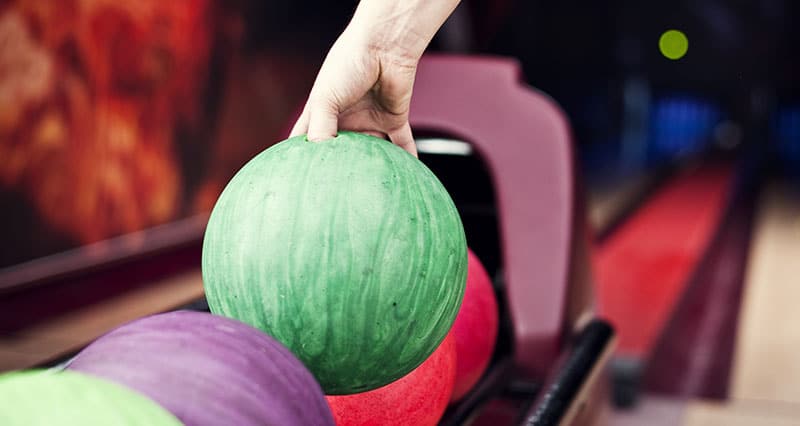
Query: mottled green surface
[348, 251]
[66, 398]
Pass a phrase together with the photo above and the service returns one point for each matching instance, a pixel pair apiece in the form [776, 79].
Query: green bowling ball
[348, 251]
[66, 398]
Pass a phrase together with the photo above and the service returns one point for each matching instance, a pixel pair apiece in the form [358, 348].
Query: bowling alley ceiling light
[673, 44]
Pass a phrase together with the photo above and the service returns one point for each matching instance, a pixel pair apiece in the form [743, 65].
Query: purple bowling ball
[208, 370]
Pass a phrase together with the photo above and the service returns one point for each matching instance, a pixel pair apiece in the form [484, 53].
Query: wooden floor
[659, 411]
[741, 413]
[765, 382]
[767, 358]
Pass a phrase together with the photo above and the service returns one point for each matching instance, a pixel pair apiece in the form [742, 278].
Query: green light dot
[673, 44]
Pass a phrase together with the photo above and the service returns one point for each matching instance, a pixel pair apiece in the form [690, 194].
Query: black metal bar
[560, 392]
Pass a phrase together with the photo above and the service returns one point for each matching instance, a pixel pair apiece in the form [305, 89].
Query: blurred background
[121, 122]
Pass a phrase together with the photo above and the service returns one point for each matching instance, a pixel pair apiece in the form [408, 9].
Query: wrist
[401, 30]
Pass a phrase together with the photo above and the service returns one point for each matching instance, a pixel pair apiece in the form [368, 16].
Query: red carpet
[643, 267]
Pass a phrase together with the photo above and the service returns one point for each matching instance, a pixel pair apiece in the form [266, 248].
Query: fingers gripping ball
[349, 251]
[43, 398]
[208, 369]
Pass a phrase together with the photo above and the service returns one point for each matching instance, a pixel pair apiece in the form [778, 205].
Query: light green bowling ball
[66, 398]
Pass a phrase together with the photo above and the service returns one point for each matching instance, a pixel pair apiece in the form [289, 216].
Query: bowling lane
[764, 413]
[610, 202]
[663, 411]
[768, 343]
[693, 356]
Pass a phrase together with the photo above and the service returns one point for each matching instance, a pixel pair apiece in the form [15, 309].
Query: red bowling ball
[475, 329]
[418, 398]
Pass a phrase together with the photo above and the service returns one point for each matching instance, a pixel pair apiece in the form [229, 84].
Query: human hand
[366, 80]
[362, 87]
